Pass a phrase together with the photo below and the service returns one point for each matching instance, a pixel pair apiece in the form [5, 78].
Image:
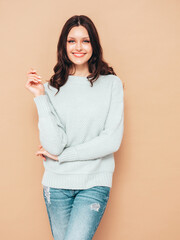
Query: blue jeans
[75, 214]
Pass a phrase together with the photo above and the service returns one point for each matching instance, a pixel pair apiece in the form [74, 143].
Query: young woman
[81, 124]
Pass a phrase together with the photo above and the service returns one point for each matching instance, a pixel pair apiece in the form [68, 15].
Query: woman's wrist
[36, 95]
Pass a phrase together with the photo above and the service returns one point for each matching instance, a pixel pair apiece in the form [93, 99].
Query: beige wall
[141, 41]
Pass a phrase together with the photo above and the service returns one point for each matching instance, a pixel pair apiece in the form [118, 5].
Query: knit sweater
[83, 126]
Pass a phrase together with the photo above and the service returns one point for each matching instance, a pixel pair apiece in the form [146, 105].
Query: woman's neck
[79, 72]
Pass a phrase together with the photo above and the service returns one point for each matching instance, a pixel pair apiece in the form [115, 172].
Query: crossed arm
[53, 138]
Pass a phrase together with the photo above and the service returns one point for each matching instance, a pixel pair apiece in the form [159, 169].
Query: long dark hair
[97, 65]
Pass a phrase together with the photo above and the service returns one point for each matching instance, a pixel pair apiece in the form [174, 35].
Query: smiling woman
[79, 50]
[79, 36]
[81, 123]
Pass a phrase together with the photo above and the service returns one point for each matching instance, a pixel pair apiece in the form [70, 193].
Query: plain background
[141, 40]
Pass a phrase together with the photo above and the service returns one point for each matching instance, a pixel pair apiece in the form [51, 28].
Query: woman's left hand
[42, 153]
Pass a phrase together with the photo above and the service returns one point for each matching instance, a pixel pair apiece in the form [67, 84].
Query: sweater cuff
[42, 104]
[69, 154]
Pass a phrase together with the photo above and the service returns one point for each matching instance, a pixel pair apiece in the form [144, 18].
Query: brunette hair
[97, 65]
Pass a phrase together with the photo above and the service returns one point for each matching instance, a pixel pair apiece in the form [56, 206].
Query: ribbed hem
[69, 154]
[42, 104]
[76, 181]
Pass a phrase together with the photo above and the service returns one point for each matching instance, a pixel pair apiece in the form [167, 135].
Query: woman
[81, 122]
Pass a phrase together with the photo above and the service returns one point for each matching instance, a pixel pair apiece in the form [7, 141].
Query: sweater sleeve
[109, 140]
[51, 131]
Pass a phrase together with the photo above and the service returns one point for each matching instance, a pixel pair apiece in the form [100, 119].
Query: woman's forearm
[51, 132]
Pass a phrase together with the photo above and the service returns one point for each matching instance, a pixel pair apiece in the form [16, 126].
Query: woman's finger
[38, 152]
[33, 75]
[41, 155]
[31, 70]
[33, 80]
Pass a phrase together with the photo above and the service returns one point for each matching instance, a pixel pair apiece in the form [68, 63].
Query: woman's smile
[78, 54]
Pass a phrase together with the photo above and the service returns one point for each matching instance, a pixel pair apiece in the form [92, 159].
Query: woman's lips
[78, 54]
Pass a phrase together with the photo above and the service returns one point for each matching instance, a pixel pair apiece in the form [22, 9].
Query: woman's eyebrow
[75, 38]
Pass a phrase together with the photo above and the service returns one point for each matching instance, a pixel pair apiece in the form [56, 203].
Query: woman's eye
[73, 41]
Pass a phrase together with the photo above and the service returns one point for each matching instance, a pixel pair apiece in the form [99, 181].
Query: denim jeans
[75, 214]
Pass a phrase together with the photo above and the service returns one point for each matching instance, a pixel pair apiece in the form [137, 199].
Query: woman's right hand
[34, 83]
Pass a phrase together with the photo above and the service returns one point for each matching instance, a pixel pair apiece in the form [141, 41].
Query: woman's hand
[42, 153]
[34, 83]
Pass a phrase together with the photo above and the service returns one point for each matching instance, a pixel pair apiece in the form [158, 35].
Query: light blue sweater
[84, 126]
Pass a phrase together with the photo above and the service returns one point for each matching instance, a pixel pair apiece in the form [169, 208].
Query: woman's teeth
[79, 54]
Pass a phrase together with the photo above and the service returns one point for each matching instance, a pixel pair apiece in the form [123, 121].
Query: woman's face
[79, 49]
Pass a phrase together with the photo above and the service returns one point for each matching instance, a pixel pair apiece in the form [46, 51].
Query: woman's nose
[78, 46]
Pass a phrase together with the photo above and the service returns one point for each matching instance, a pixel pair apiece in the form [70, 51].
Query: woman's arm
[110, 138]
[51, 131]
